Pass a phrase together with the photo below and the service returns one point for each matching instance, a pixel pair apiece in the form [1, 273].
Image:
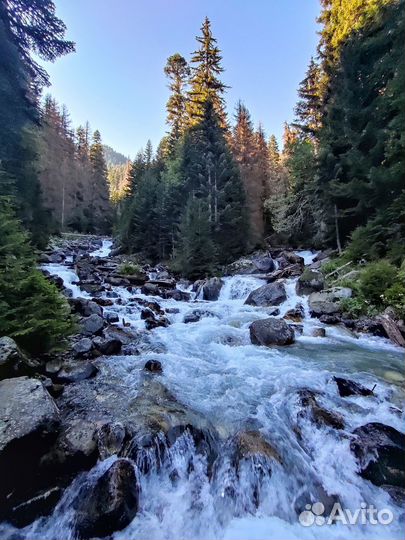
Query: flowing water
[212, 367]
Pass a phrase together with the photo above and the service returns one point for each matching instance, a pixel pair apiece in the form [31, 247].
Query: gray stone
[318, 332]
[328, 302]
[310, 281]
[86, 307]
[271, 294]
[107, 346]
[76, 372]
[110, 439]
[271, 331]
[12, 359]
[93, 324]
[25, 408]
[112, 317]
[211, 288]
[83, 346]
[108, 505]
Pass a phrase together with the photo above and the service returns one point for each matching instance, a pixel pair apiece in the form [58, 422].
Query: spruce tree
[178, 72]
[99, 206]
[31, 309]
[196, 253]
[308, 110]
[205, 84]
[245, 148]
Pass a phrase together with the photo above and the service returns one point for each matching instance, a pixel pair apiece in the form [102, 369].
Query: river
[212, 367]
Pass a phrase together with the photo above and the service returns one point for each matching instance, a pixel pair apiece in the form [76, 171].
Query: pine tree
[34, 27]
[308, 110]
[31, 309]
[196, 254]
[247, 147]
[178, 72]
[205, 83]
[362, 149]
[99, 207]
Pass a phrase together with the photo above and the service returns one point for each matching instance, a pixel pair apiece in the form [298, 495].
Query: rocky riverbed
[214, 409]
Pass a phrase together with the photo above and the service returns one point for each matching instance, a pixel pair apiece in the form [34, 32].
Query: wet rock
[320, 415]
[112, 317]
[85, 307]
[29, 422]
[41, 504]
[110, 504]
[82, 346]
[107, 346]
[13, 362]
[271, 331]
[110, 439]
[56, 258]
[318, 332]
[153, 366]
[252, 443]
[178, 295]
[153, 321]
[310, 281]
[264, 263]
[271, 294]
[125, 335]
[77, 444]
[296, 314]
[93, 324]
[380, 451]
[105, 302]
[292, 257]
[150, 289]
[71, 373]
[330, 319]
[197, 315]
[211, 288]
[328, 302]
[346, 388]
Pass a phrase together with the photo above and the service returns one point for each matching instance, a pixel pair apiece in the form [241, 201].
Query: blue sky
[115, 79]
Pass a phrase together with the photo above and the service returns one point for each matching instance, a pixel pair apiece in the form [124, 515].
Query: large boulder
[271, 331]
[310, 281]
[108, 505]
[13, 361]
[328, 302]
[29, 423]
[93, 324]
[271, 294]
[211, 288]
[380, 451]
[264, 263]
[85, 307]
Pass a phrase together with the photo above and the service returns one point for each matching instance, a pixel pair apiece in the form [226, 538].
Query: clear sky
[115, 79]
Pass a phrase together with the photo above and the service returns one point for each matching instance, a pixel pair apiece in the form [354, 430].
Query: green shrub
[375, 279]
[394, 296]
[130, 269]
[355, 307]
[32, 311]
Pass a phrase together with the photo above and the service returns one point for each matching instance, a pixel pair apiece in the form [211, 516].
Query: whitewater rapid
[212, 367]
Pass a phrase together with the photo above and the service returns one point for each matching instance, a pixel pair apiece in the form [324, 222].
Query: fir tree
[205, 83]
[31, 309]
[196, 254]
[99, 207]
[308, 110]
[178, 72]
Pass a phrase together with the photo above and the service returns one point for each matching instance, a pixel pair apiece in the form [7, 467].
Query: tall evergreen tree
[99, 207]
[249, 156]
[308, 110]
[178, 72]
[31, 309]
[205, 83]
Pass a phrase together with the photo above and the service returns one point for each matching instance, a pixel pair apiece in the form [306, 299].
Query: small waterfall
[239, 287]
[70, 278]
[104, 250]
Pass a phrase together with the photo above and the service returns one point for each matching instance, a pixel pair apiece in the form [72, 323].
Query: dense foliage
[31, 309]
